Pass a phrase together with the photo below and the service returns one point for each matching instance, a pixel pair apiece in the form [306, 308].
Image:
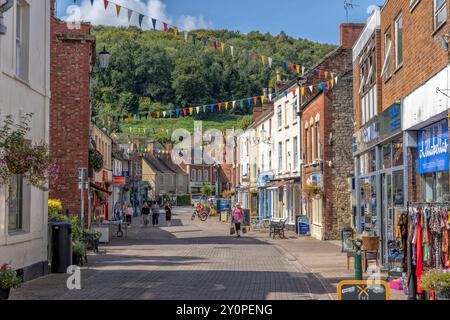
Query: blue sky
[316, 20]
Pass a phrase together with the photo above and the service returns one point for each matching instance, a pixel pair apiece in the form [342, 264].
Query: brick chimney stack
[349, 34]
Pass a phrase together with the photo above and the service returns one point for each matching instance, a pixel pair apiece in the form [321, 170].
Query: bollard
[358, 261]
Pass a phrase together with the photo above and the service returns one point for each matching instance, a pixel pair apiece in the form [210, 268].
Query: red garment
[419, 255]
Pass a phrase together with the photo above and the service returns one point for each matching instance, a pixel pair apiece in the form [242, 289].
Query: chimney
[349, 33]
[52, 8]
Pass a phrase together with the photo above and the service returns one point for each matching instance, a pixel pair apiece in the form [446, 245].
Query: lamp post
[82, 185]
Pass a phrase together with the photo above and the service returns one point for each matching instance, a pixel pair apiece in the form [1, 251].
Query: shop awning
[96, 187]
[278, 185]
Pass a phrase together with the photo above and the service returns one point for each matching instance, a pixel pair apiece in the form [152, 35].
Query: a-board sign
[347, 240]
[363, 290]
[247, 217]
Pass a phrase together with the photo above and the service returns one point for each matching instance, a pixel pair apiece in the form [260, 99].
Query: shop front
[426, 122]
[264, 203]
[380, 177]
[312, 201]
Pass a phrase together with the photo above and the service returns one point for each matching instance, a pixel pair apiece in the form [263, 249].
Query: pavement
[194, 260]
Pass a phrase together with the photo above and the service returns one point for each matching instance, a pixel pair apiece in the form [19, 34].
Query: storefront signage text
[433, 148]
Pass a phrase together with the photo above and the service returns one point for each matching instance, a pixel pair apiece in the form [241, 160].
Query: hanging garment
[419, 252]
[425, 238]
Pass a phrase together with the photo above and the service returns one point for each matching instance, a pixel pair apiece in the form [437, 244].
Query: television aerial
[349, 5]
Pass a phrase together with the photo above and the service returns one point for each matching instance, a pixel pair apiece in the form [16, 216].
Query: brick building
[72, 56]
[416, 36]
[326, 134]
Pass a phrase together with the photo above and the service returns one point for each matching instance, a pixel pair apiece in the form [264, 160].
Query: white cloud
[157, 9]
[189, 23]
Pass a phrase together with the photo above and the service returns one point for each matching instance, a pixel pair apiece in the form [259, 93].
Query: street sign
[363, 290]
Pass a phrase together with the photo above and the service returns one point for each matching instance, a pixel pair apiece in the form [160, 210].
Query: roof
[162, 167]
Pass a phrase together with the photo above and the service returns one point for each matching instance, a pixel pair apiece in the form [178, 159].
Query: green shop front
[380, 177]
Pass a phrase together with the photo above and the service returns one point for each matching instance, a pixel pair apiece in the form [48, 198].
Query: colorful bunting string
[298, 68]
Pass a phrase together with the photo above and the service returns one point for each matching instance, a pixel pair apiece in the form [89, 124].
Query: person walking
[155, 213]
[129, 214]
[145, 214]
[236, 218]
[168, 208]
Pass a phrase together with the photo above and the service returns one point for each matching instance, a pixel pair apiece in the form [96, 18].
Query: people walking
[155, 213]
[129, 214]
[145, 214]
[168, 208]
[236, 218]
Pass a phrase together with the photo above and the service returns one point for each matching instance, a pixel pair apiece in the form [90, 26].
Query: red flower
[4, 267]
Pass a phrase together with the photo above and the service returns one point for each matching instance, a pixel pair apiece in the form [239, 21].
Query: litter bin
[61, 247]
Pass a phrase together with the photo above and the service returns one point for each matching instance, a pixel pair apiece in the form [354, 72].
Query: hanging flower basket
[19, 156]
[8, 281]
[95, 160]
[313, 191]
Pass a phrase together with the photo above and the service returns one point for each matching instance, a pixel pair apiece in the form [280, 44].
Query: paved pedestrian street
[190, 260]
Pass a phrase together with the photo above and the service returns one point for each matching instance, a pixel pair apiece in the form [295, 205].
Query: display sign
[120, 181]
[247, 217]
[304, 226]
[433, 148]
[347, 240]
[363, 290]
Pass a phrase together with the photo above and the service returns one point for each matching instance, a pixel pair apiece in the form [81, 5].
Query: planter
[105, 234]
[76, 259]
[4, 293]
[443, 295]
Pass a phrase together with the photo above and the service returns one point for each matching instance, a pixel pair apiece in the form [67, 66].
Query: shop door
[386, 214]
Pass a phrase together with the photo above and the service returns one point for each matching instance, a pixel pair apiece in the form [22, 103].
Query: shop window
[368, 162]
[369, 205]
[442, 186]
[398, 189]
[397, 153]
[387, 156]
[435, 187]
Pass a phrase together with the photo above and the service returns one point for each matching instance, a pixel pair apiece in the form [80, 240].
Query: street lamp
[104, 59]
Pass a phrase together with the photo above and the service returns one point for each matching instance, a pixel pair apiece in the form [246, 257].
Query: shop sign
[120, 181]
[391, 121]
[125, 174]
[433, 148]
[370, 133]
[363, 290]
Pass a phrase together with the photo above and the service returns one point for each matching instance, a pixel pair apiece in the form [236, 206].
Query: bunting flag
[213, 107]
[264, 59]
[130, 14]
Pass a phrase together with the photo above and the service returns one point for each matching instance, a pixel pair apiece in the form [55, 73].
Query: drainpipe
[3, 8]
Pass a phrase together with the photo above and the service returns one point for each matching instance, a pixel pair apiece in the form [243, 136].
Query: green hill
[153, 71]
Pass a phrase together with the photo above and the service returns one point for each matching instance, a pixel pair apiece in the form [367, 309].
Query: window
[399, 41]
[295, 148]
[286, 122]
[313, 144]
[412, 3]
[287, 163]
[307, 145]
[319, 146]
[193, 175]
[440, 13]
[279, 117]
[387, 70]
[22, 23]
[199, 175]
[270, 160]
[280, 156]
[15, 208]
[262, 162]
[205, 175]
[294, 111]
